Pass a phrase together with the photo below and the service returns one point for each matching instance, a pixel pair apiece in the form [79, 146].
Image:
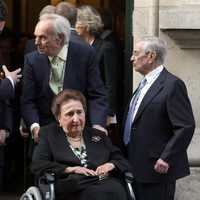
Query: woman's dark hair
[106, 18]
[65, 96]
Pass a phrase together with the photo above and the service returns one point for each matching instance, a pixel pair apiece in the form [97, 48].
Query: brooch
[96, 138]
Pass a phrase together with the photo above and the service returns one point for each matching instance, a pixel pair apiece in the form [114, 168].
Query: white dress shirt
[150, 77]
[63, 55]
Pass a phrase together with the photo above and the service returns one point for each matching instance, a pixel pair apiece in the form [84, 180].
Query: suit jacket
[81, 73]
[107, 58]
[53, 153]
[6, 92]
[113, 38]
[6, 89]
[163, 128]
[6, 115]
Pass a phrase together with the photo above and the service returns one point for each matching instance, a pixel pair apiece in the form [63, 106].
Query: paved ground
[9, 197]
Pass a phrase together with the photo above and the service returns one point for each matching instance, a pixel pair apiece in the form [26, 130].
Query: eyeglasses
[137, 53]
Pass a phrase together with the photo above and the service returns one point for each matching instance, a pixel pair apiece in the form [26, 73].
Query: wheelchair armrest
[46, 186]
[128, 177]
[50, 177]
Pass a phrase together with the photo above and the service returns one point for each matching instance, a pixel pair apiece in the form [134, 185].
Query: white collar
[154, 74]
[62, 54]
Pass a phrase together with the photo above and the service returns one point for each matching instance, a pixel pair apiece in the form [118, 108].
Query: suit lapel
[155, 88]
[68, 64]
[48, 93]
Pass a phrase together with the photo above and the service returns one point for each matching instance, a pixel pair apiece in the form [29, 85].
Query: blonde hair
[88, 17]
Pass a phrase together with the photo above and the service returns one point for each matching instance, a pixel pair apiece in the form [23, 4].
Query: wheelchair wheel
[26, 196]
[31, 194]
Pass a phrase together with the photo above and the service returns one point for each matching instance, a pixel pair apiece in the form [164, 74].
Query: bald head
[67, 10]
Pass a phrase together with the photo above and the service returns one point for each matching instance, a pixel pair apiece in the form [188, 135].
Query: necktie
[57, 75]
[129, 118]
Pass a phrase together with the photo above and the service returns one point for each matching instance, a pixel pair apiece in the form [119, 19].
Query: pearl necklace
[74, 139]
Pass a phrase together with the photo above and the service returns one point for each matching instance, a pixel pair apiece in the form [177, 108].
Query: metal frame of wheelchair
[46, 188]
[45, 191]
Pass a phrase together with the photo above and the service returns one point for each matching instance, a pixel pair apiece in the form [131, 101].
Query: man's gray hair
[61, 25]
[155, 44]
[67, 10]
[47, 10]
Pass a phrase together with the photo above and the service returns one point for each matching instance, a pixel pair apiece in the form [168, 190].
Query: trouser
[1, 165]
[154, 191]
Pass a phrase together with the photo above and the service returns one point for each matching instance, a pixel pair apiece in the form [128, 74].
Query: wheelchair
[46, 188]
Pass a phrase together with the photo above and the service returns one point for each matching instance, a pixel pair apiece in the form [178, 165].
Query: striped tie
[129, 118]
[57, 75]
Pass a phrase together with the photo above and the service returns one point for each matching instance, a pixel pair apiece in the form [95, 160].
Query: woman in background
[89, 26]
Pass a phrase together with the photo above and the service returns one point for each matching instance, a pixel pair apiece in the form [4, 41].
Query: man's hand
[100, 128]
[14, 75]
[161, 166]
[35, 134]
[24, 132]
[2, 137]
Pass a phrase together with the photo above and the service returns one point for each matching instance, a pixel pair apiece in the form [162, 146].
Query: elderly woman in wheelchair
[85, 163]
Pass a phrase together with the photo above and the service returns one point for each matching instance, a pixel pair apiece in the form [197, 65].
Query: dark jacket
[81, 73]
[107, 59]
[53, 153]
[163, 128]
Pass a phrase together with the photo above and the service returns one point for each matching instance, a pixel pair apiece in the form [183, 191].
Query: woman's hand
[103, 169]
[80, 170]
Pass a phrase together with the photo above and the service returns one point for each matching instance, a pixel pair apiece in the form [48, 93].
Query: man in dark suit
[110, 35]
[78, 69]
[160, 127]
[65, 9]
[6, 92]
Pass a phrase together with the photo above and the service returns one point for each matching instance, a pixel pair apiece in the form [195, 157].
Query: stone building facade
[178, 23]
